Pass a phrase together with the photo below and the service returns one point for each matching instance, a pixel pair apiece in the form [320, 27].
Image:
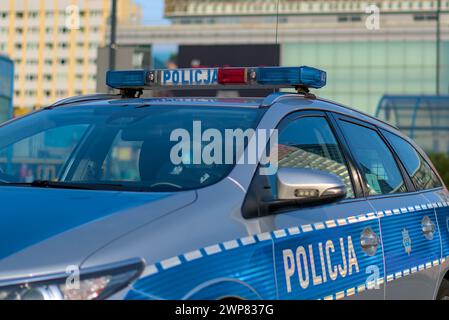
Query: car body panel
[242, 176]
[407, 251]
[334, 265]
[98, 223]
[45, 211]
[340, 220]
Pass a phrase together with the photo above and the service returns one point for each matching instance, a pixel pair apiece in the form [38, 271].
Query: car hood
[42, 230]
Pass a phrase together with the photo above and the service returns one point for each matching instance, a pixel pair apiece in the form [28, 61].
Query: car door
[317, 249]
[411, 240]
[427, 182]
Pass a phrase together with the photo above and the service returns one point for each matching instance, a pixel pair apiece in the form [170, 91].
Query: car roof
[110, 100]
[284, 97]
[253, 103]
[326, 105]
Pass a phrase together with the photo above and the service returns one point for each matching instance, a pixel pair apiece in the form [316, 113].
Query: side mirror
[309, 185]
[298, 187]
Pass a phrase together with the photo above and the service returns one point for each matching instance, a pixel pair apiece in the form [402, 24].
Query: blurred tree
[441, 162]
[173, 57]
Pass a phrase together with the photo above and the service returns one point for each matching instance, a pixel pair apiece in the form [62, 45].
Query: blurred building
[126, 58]
[423, 118]
[6, 87]
[363, 63]
[54, 45]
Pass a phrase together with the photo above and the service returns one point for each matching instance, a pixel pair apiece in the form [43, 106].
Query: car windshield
[119, 147]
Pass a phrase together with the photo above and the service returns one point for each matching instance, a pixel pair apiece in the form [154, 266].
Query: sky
[153, 11]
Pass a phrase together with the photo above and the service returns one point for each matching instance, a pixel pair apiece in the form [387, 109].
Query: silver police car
[287, 197]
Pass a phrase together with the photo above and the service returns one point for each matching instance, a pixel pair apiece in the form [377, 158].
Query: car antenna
[299, 89]
[276, 47]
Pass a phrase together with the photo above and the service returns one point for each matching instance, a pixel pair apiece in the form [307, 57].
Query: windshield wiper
[66, 185]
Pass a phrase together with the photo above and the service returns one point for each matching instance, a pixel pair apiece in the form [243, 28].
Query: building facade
[364, 61]
[126, 58]
[194, 11]
[6, 87]
[54, 46]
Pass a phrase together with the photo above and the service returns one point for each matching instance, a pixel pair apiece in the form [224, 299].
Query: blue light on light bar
[306, 76]
[127, 79]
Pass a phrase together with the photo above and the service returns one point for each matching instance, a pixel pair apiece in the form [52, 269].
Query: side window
[420, 172]
[374, 159]
[309, 143]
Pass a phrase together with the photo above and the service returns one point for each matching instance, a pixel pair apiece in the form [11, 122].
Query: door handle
[428, 228]
[369, 241]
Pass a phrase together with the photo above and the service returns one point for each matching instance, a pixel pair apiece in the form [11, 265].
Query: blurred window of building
[20, 29]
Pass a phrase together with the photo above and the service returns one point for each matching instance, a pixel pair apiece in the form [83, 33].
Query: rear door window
[418, 169]
[375, 160]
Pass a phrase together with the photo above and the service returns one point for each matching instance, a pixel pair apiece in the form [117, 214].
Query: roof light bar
[217, 78]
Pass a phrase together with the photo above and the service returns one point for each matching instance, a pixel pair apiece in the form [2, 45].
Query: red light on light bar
[232, 76]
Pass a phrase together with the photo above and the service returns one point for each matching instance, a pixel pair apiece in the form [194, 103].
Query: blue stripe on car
[244, 267]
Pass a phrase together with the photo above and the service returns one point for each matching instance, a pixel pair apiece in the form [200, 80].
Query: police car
[287, 197]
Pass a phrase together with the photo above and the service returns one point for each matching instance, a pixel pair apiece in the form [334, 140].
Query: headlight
[98, 283]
